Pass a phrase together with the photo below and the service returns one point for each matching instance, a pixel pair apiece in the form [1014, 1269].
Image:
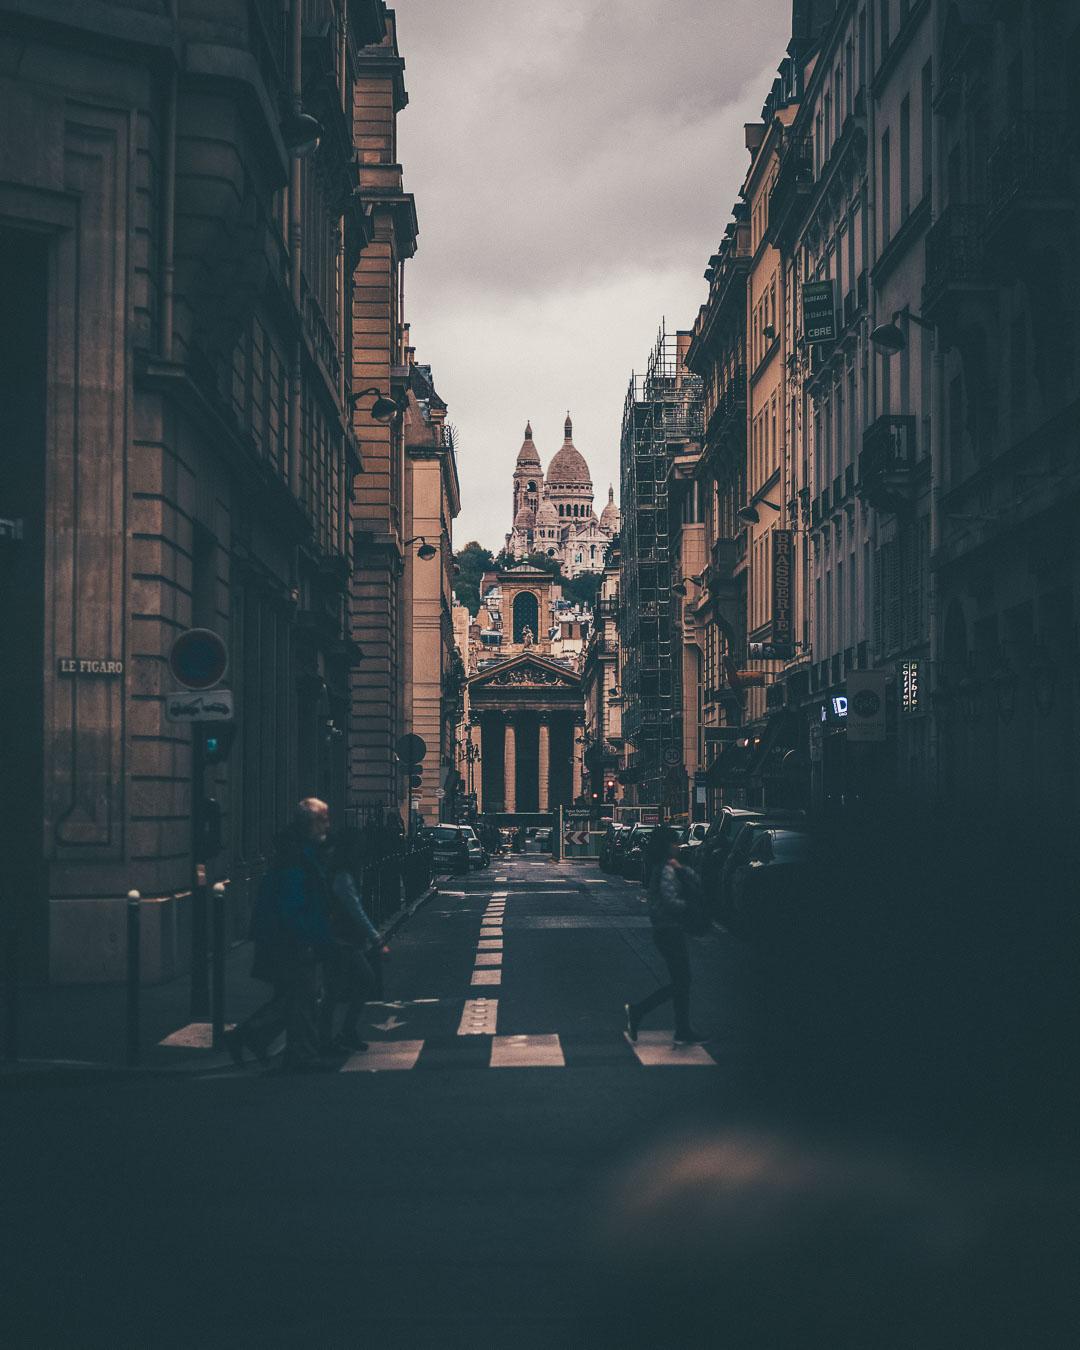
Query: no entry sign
[198, 659]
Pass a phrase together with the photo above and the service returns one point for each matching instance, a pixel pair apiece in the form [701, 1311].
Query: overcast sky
[574, 164]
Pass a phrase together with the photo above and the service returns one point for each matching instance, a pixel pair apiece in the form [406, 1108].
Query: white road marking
[489, 958]
[655, 1048]
[490, 944]
[391, 1024]
[478, 1017]
[195, 1036]
[455, 895]
[487, 977]
[527, 1052]
[384, 1055]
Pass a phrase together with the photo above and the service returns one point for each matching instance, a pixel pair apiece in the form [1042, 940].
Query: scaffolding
[661, 416]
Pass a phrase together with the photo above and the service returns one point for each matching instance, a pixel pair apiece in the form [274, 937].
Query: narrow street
[434, 1192]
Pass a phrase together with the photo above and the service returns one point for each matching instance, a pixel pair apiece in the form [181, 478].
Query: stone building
[379, 710]
[433, 670]
[603, 756]
[176, 256]
[554, 515]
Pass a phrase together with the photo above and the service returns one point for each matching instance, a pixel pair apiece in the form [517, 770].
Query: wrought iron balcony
[887, 466]
[956, 258]
[1026, 170]
[791, 191]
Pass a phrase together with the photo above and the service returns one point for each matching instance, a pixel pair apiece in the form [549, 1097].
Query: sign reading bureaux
[819, 311]
[783, 567]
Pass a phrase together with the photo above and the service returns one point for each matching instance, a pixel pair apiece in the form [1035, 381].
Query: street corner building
[202, 226]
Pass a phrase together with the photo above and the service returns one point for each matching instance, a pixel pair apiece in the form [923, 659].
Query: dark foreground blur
[906, 1173]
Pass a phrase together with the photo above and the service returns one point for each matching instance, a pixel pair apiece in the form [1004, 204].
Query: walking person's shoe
[632, 1023]
[690, 1037]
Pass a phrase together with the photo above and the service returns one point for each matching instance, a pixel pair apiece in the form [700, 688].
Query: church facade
[553, 513]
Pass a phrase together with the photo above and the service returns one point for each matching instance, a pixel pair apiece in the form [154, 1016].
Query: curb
[42, 1070]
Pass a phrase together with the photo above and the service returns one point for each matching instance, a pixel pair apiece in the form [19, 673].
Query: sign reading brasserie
[88, 665]
[819, 311]
[783, 566]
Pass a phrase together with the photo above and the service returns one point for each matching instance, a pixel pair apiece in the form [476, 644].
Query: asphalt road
[439, 1191]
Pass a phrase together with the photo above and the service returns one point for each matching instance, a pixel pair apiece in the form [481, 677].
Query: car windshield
[445, 834]
[788, 846]
[468, 832]
[679, 833]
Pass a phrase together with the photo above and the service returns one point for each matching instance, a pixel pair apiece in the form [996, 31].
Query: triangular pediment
[526, 672]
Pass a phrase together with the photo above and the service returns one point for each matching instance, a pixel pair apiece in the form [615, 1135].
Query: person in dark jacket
[350, 974]
[666, 891]
[292, 937]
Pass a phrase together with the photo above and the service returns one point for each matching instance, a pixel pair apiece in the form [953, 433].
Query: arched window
[526, 614]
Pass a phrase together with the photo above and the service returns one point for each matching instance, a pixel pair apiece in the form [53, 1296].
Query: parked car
[449, 847]
[776, 872]
[632, 860]
[693, 836]
[543, 839]
[720, 838]
[478, 854]
[609, 845]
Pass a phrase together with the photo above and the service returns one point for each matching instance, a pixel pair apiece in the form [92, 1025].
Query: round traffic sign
[198, 659]
[411, 748]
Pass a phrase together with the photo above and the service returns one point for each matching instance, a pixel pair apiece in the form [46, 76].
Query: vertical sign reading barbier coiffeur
[783, 568]
[819, 311]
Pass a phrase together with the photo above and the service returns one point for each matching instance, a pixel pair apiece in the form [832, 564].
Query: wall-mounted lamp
[426, 551]
[679, 588]
[890, 337]
[384, 409]
[749, 514]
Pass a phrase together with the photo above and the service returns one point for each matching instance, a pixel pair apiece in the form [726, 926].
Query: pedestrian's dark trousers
[671, 944]
[267, 1023]
[302, 1012]
[350, 980]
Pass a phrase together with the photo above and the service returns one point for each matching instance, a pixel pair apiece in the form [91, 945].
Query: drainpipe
[168, 206]
[295, 243]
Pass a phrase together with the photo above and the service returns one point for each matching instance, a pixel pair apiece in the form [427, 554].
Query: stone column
[576, 758]
[477, 774]
[510, 767]
[545, 763]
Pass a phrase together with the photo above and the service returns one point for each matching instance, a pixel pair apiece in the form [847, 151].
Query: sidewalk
[68, 1028]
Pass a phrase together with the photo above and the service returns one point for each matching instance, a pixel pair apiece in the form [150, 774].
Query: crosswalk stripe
[654, 1048]
[479, 1017]
[490, 944]
[489, 958]
[195, 1036]
[487, 977]
[527, 1052]
[384, 1055]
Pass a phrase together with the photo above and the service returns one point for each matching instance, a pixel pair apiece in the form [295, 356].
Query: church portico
[529, 711]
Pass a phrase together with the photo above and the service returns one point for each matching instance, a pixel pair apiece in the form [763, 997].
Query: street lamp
[889, 337]
[384, 409]
[749, 514]
[679, 588]
[426, 551]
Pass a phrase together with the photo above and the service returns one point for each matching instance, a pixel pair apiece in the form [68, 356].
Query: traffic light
[411, 750]
[609, 790]
[218, 739]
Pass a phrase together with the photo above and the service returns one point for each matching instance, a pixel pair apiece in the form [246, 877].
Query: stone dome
[525, 518]
[547, 514]
[609, 517]
[569, 467]
[528, 455]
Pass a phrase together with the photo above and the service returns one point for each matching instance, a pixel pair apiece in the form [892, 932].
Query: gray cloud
[574, 166]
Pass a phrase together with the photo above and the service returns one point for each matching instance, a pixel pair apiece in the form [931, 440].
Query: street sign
[866, 705]
[411, 748]
[672, 755]
[198, 659]
[216, 706]
[819, 311]
[440, 793]
[783, 590]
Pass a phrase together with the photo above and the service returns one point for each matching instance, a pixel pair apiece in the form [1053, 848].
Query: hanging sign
[783, 590]
[819, 311]
[866, 705]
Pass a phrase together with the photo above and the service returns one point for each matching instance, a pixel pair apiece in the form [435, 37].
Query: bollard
[133, 926]
[200, 989]
[217, 975]
[11, 992]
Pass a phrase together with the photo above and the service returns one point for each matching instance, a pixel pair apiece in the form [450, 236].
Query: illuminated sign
[839, 705]
[910, 686]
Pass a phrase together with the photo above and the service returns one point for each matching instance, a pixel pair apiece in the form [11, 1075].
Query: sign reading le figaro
[89, 665]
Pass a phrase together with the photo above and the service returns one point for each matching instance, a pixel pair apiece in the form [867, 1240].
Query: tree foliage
[472, 562]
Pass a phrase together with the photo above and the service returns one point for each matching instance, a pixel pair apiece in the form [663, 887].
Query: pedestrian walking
[673, 910]
[351, 977]
[292, 938]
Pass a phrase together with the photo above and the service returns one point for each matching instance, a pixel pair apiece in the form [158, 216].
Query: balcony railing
[887, 478]
[955, 253]
[1026, 167]
[794, 183]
